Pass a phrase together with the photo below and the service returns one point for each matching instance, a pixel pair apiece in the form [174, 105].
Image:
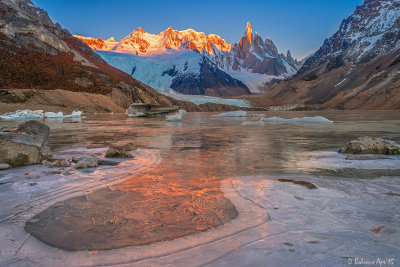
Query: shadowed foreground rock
[27, 145]
[372, 145]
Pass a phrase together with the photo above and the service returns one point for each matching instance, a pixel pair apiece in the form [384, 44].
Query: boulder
[87, 162]
[117, 152]
[60, 163]
[27, 145]
[371, 145]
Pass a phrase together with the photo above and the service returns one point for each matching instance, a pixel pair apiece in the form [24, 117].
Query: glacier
[158, 72]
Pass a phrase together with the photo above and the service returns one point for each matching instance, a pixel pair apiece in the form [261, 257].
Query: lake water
[278, 222]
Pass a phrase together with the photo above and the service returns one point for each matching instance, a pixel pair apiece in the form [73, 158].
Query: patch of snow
[339, 83]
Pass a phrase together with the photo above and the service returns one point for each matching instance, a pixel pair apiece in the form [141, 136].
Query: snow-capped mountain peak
[140, 42]
[253, 60]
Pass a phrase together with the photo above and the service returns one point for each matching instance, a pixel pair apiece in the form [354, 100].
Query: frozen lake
[342, 211]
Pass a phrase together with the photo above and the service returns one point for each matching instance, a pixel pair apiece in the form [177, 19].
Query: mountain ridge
[252, 55]
[358, 67]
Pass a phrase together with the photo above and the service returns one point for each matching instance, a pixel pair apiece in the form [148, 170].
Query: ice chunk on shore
[23, 115]
[74, 114]
[239, 113]
[316, 119]
[28, 114]
[178, 116]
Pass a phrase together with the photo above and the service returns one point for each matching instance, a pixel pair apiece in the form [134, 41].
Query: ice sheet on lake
[176, 117]
[316, 119]
[336, 160]
[28, 114]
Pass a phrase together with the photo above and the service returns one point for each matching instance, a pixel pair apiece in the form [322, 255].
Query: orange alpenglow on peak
[249, 32]
[140, 30]
[140, 42]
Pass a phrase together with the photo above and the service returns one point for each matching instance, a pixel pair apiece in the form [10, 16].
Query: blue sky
[300, 26]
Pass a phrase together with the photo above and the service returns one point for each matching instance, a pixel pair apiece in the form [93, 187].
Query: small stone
[117, 152]
[60, 163]
[377, 230]
[87, 162]
[4, 166]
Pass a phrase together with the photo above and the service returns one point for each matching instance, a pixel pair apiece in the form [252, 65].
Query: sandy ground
[62, 100]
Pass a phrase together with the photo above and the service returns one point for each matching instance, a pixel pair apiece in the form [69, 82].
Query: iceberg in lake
[176, 117]
[28, 114]
[316, 119]
[239, 113]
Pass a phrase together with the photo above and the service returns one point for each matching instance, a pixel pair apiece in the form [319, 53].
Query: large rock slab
[372, 145]
[27, 145]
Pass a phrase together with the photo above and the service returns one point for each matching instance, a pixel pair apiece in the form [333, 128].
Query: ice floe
[316, 119]
[176, 117]
[28, 114]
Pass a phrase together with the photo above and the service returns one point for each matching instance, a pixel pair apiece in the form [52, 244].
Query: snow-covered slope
[252, 61]
[370, 32]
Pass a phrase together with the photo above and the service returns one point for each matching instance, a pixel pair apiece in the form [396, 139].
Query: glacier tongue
[159, 71]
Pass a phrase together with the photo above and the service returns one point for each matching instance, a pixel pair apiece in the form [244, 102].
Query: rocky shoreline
[67, 101]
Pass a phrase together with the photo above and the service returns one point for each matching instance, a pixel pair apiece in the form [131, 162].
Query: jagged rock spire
[249, 32]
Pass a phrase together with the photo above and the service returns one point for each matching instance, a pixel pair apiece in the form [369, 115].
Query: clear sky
[298, 25]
